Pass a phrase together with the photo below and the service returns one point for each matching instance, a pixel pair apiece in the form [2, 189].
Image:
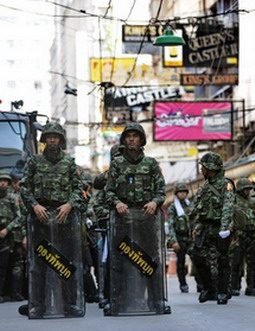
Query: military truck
[18, 139]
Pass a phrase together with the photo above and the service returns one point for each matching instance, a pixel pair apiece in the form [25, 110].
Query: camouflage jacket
[9, 218]
[100, 206]
[51, 182]
[20, 232]
[135, 182]
[249, 208]
[179, 226]
[213, 204]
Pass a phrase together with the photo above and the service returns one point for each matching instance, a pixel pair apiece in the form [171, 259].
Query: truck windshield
[12, 146]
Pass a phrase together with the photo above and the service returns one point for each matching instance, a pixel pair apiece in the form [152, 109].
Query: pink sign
[188, 120]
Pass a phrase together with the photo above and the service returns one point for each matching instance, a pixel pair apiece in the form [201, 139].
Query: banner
[192, 121]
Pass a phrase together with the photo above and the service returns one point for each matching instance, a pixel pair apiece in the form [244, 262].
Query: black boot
[222, 299]
[207, 295]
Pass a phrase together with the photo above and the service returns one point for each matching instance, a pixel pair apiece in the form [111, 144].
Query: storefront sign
[192, 121]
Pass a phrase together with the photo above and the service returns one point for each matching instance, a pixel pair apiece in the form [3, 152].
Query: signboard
[102, 69]
[138, 33]
[192, 121]
[121, 98]
[213, 45]
[204, 79]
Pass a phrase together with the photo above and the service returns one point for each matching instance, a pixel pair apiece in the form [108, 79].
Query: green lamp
[169, 39]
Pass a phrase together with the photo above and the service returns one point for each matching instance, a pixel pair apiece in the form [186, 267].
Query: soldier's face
[52, 141]
[4, 183]
[133, 140]
[182, 195]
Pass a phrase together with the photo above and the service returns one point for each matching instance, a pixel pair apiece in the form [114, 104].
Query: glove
[224, 234]
[89, 223]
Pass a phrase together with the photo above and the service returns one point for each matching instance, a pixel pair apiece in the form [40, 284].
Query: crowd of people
[63, 234]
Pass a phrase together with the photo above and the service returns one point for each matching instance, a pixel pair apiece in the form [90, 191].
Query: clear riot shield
[137, 266]
[55, 267]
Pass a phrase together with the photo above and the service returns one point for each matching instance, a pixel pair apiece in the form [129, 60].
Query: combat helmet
[181, 187]
[4, 175]
[212, 161]
[243, 183]
[133, 127]
[53, 127]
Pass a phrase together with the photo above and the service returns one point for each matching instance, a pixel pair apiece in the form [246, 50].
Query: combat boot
[250, 291]
[184, 288]
[207, 295]
[222, 299]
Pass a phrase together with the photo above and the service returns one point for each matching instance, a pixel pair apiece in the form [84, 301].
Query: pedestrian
[212, 213]
[51, 190]
[135, 192]
[9, 222]
[179, 237]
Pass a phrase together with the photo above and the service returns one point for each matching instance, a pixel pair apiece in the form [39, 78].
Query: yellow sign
[102, 70]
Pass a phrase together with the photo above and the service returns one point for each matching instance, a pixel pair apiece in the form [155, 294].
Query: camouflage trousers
[213, 264]
[243, 251]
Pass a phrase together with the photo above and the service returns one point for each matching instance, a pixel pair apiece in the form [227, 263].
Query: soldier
[51, 189]
[212, 213]
[17, 258]
[9, 221]
[135, 193]
[180, 231]
[244, 247]
[102, 213]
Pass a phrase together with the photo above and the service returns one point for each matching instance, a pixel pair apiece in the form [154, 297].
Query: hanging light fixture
[169, 39]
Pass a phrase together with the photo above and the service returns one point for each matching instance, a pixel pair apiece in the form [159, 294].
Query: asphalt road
[187, 315]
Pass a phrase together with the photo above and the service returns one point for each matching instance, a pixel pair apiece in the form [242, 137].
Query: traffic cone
[171, 270]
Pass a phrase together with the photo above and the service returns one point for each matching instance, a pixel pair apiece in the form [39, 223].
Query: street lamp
[169, 39]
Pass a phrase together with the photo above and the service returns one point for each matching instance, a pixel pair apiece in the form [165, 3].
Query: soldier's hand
[122, 208]
[41, 213]
[3, 233]
[63, 212]
[150, 208]
[176, 247]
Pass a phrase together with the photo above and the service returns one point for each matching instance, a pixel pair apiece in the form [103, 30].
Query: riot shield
[55, 267]
[137, 266]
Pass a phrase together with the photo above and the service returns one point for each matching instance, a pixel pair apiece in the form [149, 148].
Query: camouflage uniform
[17, 266]
[212, 212]
[135, 182]
[180, 232]
[89, 238]
[10, 221]
[244, 246]
[51, 180]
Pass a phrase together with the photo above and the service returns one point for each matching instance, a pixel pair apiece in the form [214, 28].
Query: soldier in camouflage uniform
[180, 231]
[51, 189]
[244, 247]
[212, 213]
[102, 213]
[9, 221]
[17, 260]
[136, 186]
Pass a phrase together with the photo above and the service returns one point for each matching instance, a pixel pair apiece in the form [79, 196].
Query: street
[187, 314]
